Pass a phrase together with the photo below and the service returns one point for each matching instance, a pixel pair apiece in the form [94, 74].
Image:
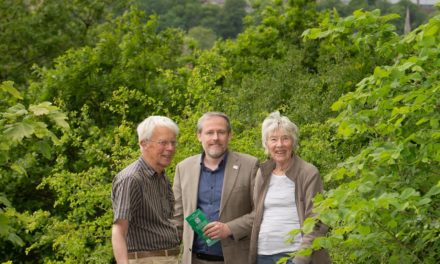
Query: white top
[280, 216]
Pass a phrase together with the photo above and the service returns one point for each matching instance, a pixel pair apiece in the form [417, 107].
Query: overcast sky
[422, 2]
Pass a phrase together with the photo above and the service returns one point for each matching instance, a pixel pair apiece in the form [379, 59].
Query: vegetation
[366, 100]
[36, 32]
[417, 14]
[385, 208]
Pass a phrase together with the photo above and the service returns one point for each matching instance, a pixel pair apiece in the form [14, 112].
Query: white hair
[145, 128]
[276, 121]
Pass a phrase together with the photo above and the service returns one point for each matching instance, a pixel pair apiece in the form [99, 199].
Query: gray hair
[276, 121]
[145, 128]
[211, 114]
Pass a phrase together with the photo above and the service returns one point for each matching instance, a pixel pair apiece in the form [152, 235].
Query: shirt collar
[220, 165]
[150, 171]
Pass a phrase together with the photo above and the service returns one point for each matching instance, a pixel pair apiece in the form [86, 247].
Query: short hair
[145, 128]
[276, 121]
[211, 114]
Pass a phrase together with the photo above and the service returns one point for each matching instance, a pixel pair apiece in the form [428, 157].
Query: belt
[154, 253]
[209, 257]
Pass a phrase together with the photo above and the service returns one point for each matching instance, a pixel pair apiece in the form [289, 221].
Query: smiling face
[280, 146]
[159, 151]
[214, 136]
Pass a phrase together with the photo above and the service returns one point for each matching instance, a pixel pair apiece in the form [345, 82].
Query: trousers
[155, 260]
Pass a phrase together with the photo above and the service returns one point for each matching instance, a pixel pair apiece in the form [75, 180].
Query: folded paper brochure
[197, 220]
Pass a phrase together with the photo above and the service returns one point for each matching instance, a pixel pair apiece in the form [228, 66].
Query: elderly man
[143, 200]
[219, 182]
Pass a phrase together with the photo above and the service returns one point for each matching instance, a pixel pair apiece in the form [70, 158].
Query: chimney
[407, 27]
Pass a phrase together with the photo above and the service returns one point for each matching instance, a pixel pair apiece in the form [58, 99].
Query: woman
[284, 189]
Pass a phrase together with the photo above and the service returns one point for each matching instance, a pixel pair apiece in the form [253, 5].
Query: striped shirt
[146, 200]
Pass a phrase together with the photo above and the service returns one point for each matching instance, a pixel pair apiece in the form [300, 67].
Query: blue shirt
[208, 200]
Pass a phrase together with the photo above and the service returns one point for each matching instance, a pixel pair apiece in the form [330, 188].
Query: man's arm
[119, 243]
[178, 203]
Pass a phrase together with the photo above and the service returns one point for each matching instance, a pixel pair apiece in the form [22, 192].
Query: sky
[422, 2]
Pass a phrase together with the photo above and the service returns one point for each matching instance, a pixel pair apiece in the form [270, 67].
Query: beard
[215, 153]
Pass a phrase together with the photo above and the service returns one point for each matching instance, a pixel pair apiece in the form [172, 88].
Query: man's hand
[217, 230]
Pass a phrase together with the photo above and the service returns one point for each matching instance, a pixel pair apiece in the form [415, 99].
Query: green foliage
[78, 231]
[7, 232]
[35, 32]
[224, 20]
[130, 64]
[379, 155]
[82, 234]
[230, 19]
[366, 36]
[269, 34]
[418, 13]
[205, 37]
[272, 69]
[131, 73]
[386, 208]
[29, 135]
[318, 146]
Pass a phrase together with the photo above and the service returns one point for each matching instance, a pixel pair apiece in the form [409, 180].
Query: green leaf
[60, 119]
[15, 111]
[408, 192]
[294, 232]
[18, 168]
[40, 129]
[17, 131]
[434, 122]
[433, 191]
[8, 86]
[406, 65]
[422, 121]
[364, 230]
[40, 109]
[386, 199]
[431, 30]
[45, 149]
[15, 239]
[424, 201]
[309, 225]
[4, 201]
[381, 73]
[392, 223]
[345, 129]
[305, 252]
[336, 106]
[3, 224]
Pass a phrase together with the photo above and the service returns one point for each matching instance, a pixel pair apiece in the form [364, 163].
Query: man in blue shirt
[220, 183]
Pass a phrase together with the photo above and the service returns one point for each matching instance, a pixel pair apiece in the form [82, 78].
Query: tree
[28, 135]
[419, 15]
[133, 71]
[35, 32]
[385, 208]
[378, 151]
[231, 19]
[205, 37]
[130, 63]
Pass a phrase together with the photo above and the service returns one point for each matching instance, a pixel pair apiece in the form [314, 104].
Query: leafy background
[78, 76]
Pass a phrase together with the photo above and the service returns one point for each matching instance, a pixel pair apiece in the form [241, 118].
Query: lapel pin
[235, 167]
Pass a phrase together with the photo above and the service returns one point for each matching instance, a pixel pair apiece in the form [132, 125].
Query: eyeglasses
[164, 143]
